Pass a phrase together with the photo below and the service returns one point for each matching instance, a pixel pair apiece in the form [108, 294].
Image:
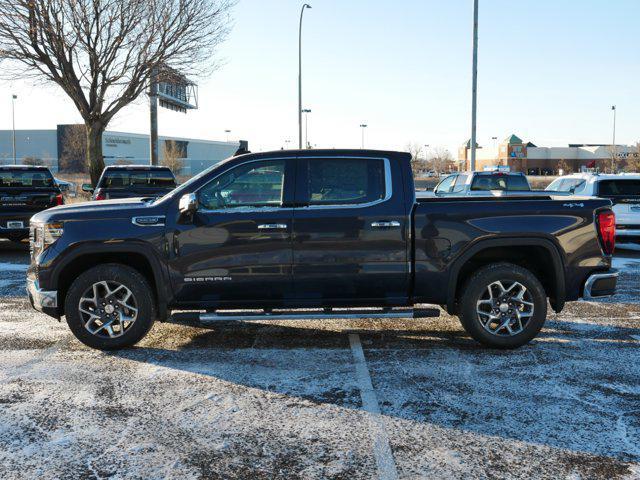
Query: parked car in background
[324, 231]
[24, 191]
[67, 188]
[129, 181]
[622, 189]
[482, 184]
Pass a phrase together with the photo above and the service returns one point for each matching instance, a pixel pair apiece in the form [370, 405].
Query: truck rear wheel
[110, 306]
[503, 306]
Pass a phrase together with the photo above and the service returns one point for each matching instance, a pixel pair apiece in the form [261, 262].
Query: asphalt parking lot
[341, 399]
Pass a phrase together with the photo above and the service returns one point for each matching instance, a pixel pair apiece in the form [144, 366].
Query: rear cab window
[26, 178]
[132, 178]
[619, 187]
[499, 181]
[344, 181]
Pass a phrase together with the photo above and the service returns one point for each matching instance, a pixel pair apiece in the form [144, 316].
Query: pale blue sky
[548, 71]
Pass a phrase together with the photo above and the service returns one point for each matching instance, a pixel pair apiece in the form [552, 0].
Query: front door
[238, 249]
[350, 233]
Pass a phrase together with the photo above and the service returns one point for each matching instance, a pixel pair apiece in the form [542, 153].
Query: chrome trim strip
[388, 186]
[41, 298]
[272, 226]
[318, 315]
[588, 286]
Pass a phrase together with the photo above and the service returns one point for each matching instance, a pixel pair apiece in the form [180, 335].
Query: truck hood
[103, 210]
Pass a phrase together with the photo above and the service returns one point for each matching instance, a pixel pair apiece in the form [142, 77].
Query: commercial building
[527, 157]
[49, 147]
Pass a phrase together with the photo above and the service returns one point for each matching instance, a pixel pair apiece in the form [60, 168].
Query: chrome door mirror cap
[188, 203]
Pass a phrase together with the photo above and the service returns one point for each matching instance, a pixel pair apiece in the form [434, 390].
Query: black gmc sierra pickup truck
[24, 191]
[317, 234]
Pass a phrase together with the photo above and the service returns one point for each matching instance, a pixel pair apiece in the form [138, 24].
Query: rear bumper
[45, 301]
[601, 284]
[6, 232]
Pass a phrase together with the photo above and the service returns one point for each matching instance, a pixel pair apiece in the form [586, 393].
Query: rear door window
[345, 181]
[121, 178]
[26, 178]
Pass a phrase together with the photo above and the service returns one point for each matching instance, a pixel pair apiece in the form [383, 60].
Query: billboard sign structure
[173, 91]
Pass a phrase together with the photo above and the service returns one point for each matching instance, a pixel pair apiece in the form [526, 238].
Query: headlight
[44, 235]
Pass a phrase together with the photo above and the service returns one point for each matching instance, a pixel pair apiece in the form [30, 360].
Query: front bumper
[601, 284]
[45, 301]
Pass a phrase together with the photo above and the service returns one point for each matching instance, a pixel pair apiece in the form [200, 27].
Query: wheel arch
[546, 264]
[139, 257]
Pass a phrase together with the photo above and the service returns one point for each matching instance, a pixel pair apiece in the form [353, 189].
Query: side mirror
[87, 187]
[188, 203]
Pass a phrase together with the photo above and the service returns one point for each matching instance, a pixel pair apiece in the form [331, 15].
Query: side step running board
[332, 314]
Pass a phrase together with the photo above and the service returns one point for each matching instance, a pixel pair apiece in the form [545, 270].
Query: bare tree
[173, 156]
[102, 53]
[564, 167]
[418, 160]
[74, 146]
[632, 163]
[441, 159]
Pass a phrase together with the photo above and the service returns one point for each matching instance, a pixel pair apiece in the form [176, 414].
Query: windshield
[512, 183]
[567, 185]
[23, 177]
[123, 178]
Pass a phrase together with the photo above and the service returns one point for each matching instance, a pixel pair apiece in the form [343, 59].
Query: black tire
[131, 279]
[476, 289]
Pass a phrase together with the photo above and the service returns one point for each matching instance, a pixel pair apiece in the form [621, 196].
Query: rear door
[350, 232]
[237, 248]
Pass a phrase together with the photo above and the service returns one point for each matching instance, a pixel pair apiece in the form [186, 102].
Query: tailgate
[26, 200]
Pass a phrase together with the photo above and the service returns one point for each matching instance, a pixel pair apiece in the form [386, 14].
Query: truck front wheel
[110, 306]
[503, 306]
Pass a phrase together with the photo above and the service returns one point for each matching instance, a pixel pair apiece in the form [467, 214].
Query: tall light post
[227, 132]
[306, 5]
[306, 112]
[474, 85]
[13, 123]
[613, 146]
[363, 126]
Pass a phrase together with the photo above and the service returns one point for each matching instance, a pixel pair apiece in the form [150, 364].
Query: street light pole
[474, 85]
[306, 112]
[13, 123]
[227, 132]
[614, 150]
[306, 5]
[363, 126]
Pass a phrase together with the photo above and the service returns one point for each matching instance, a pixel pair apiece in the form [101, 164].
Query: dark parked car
[324, 230]
[24, 191]
[129, 181]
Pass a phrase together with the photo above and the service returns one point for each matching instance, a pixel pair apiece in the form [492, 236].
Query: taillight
[100, 195]
[607, 231]
[59, 200]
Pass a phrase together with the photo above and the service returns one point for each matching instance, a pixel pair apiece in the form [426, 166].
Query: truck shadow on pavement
[575, 388]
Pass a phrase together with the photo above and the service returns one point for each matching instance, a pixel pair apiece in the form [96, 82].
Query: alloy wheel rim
[505, 308]
[108, 309]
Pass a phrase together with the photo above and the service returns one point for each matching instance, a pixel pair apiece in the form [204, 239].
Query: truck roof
[136, 167]
[23, 167]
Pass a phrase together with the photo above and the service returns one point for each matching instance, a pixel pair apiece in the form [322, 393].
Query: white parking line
[381, 449]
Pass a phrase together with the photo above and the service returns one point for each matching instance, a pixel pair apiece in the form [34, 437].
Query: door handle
[391, 224]
[272, 226]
